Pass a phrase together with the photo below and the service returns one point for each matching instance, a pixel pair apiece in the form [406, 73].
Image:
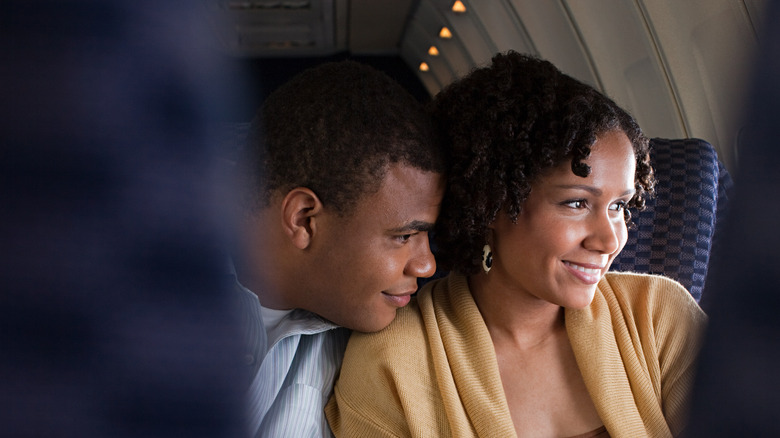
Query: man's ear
[299, 208]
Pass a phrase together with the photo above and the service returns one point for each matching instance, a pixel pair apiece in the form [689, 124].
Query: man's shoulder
[317, 334]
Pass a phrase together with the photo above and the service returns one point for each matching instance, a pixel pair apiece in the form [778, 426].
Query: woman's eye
[618, 206]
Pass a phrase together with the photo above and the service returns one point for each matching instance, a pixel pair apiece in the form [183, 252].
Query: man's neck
[267, 288]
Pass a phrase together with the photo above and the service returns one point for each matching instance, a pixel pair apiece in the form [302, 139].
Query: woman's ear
[492, 225]
[299, 208]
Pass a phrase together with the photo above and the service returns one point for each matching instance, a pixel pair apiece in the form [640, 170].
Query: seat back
[674, 235]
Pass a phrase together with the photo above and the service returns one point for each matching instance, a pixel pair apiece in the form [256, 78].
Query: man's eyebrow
[419, 226]
[593, 190]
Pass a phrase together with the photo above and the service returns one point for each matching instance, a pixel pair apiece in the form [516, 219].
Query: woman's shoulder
[385, 371]
[374, 362]
[649, 292]
[406, 329]
[645, 286]
[407, 335]
[638, 277]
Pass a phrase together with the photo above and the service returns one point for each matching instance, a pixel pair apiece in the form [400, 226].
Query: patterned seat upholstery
[674, 235]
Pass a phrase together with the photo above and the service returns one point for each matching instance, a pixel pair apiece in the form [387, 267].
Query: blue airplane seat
[675, 234]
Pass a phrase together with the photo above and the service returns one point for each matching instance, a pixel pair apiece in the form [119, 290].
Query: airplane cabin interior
[678, 66]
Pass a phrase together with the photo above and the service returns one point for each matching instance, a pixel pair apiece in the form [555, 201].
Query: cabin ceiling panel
[756, 10]
[470, 33]
[305, 28]
[499, 22]
[456, 56]
[450, 55]
[627, 62]
[678, 66]
[256, 28]
[414, 50]
[551, 32]
[428, 21]
[429, 81]
[707, 46]
[376, 27]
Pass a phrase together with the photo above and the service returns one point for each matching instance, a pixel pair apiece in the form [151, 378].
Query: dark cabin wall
[266, 74]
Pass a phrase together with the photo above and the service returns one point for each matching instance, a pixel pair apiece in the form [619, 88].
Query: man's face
[364, 266]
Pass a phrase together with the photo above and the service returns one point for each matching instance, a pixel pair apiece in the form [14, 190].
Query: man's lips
[400, 299]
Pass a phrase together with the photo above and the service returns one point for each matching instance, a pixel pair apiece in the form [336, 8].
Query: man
[345, 181]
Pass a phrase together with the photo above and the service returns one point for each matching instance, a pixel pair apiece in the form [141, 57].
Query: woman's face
[570, 228]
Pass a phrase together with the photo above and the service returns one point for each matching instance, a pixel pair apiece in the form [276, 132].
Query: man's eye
[575, 203]
[404, 238]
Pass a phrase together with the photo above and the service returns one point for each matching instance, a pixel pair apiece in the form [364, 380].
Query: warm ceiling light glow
[445, 33]
[424, 67]
[458, 7]
[433, 51]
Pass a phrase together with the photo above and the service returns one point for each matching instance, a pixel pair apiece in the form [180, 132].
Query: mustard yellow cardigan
[433, 371]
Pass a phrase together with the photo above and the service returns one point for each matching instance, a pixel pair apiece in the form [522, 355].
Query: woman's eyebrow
[591, 189]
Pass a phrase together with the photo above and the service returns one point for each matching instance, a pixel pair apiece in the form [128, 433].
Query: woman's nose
[606, 233]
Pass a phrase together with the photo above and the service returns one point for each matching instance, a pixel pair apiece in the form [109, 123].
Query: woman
[529, 335]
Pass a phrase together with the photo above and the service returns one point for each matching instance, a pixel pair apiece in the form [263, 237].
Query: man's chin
[374, 325]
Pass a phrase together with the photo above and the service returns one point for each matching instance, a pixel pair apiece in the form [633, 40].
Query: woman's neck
[514, 316]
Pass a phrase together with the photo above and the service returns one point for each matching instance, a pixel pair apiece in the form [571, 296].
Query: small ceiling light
[424, 67]
[445, 33]
[458, 7]
[433, 51]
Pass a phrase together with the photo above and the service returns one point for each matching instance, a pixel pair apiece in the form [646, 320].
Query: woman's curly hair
[505, 124]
